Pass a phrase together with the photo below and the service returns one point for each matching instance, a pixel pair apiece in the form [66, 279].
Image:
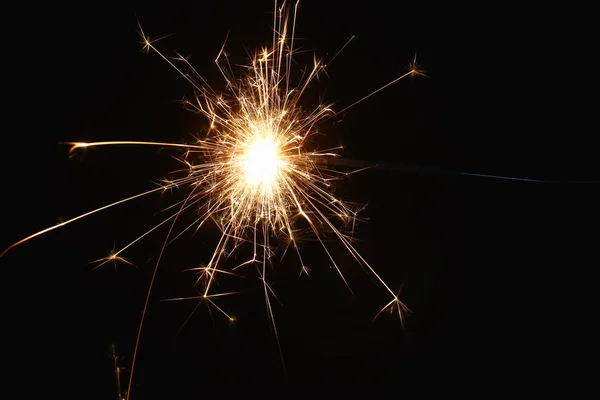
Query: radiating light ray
[147, 300]
[87, 214]
[84, 145]
[115, 255]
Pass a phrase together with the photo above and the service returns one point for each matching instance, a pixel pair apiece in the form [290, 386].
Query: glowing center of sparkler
[261, 161]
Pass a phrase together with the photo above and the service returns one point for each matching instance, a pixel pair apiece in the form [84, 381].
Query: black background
[498, 274]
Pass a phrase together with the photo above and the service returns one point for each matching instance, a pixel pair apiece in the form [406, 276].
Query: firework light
[256, 172]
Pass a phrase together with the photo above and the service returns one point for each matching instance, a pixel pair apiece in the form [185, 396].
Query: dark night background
[499, 274]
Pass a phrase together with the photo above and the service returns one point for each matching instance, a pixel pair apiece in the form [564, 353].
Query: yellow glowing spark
[255, 171]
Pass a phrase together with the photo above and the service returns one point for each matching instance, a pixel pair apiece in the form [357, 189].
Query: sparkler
[253, 172]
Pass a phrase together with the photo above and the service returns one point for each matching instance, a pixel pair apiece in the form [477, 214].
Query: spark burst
[253, 172]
